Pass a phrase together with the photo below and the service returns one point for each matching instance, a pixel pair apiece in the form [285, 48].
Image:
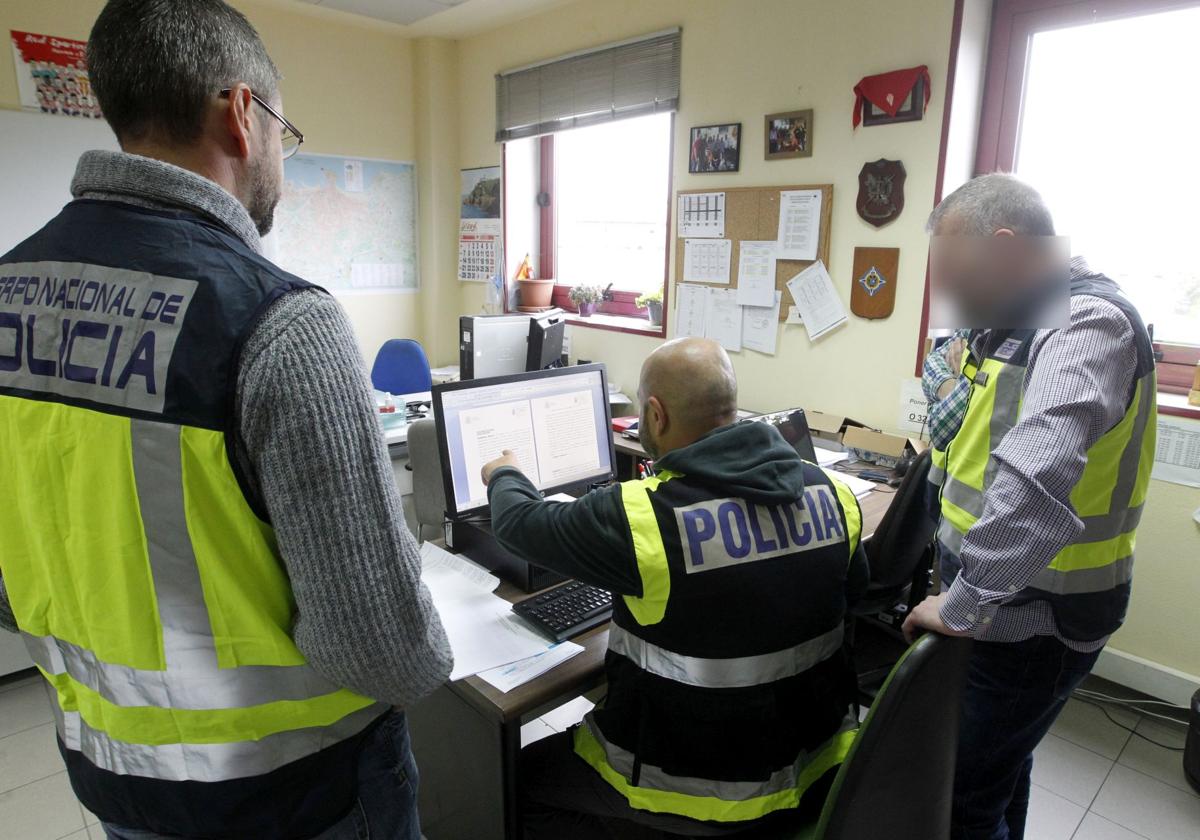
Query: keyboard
[567, 610]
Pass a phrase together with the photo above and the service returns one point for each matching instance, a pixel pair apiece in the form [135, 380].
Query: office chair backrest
[429, 492]
[905, 532]
[898, 779]
[401, 367]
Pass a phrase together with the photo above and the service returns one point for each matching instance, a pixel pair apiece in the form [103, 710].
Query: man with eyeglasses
[201, 541]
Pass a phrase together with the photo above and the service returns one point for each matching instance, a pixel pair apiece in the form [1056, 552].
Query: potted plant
[652, 303]
[586, 298]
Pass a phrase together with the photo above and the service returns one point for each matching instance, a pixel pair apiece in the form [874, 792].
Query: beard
[647, 440]
[264, 193]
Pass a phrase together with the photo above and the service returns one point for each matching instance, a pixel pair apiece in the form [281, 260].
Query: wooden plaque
[873, 285]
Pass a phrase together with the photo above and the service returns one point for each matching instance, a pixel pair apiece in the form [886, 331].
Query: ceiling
[441, 18]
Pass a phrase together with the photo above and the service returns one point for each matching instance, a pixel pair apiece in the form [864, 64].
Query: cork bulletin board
[752, 213]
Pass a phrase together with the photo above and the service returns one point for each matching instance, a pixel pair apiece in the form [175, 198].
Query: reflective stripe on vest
[709, 799]
[733, 672]
[648, 548]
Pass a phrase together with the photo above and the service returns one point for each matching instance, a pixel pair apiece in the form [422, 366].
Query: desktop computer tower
[492, 345]
[475, 539]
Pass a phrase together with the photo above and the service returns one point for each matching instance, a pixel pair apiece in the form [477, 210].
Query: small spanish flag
[524, 270]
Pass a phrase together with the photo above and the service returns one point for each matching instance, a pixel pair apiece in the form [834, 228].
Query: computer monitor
[793, 425]
[545, 343]
[556, 421]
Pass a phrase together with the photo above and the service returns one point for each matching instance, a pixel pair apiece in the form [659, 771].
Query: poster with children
[52, 75]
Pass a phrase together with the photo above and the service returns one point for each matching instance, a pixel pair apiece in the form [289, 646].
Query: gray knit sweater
[313, 448]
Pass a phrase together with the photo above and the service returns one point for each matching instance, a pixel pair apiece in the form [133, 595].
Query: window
[587, 151]
[611, 200]
[1087, 102]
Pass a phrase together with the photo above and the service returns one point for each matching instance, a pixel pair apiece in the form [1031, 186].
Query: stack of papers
[483, 631]
[507, 677]
[858, 486]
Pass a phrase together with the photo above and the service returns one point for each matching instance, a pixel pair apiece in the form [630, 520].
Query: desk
[467, 735]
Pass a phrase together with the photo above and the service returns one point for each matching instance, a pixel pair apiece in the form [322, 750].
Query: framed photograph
[715, 148]
[788, 135]
[913, 108]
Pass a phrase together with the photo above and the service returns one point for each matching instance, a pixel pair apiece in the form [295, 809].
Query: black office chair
[900, 553]
[898, 779]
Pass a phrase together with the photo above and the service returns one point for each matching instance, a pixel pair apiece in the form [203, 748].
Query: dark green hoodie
[590, 540]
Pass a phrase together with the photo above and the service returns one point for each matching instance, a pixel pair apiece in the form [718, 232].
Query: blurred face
[1004, 281]
[264, 170]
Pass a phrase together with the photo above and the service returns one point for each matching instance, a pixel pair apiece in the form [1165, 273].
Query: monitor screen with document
[556, 422]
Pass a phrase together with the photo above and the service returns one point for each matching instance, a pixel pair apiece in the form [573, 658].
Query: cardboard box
[829, 426]
[879, 448]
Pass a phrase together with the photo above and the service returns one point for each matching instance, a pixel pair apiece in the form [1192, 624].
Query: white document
[565, 431]
[760, 326]
[799, 224]
[453, 576]
[723, 323]
[858, 486]
[1177, 454]
[691, 310]
[817, 300]
[828, 457]
[756, 273]
[706, 260]
[484, 632]
[914, 407]
[488, 431]
[515, 674]
[702, 215]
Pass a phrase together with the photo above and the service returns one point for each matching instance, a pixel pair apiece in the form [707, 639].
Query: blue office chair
[401, 367]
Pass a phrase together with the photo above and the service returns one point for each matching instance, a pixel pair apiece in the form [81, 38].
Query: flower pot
[654, 312]
[536, 292]
[587, 309]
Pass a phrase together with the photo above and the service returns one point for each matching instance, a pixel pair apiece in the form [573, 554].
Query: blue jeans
[386, 808]
[1013, 693]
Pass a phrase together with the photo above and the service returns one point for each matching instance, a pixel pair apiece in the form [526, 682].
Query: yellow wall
[742, 60]
[347, 85]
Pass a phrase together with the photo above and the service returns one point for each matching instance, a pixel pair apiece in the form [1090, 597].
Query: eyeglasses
[289, 135]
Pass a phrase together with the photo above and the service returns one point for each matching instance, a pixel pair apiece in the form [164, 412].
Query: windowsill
[1176, 405]
[617, 323]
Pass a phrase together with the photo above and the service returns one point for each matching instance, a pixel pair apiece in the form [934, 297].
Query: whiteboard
[38, 153]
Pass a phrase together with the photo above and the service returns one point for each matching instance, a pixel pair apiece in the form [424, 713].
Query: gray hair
[155, 64]
[991, 202]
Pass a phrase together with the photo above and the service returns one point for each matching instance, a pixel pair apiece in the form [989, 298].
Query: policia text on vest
[88, 326]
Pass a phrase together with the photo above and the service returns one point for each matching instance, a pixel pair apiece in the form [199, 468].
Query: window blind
[627, 79]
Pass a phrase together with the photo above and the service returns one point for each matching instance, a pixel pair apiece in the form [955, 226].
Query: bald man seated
[730, 696]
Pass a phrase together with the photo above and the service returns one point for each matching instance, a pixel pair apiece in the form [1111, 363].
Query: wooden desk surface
[585, 670]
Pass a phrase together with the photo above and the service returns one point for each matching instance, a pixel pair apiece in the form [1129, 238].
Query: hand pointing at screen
[506, 459]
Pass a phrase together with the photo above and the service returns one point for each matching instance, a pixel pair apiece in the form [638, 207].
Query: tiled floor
[1092, 779]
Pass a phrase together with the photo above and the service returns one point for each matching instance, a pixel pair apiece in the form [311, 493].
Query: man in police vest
[730, 697]
[1041, 487]
[201, 541]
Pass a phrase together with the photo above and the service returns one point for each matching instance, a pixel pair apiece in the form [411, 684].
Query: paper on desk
[817, 300]
[756, 273]
[828, 457]
[484, 633]
[452, 576]
[691, 310]
[760, 326]
[706, 260]
[723, 323]
[510, 676]
[482, 629]
[858, 486]
[799, 224]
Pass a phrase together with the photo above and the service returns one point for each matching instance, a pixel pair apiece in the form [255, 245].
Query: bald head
[687, 389]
